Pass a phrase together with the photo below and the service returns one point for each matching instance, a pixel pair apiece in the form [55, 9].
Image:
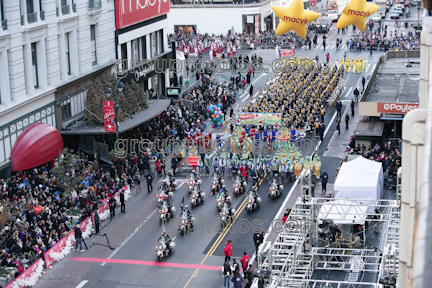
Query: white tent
[360, 179]
[343, 212]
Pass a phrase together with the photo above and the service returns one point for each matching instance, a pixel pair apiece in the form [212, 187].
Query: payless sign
[396, 108]
[130, 12]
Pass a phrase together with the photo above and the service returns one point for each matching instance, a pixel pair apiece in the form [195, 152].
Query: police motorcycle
[165, 246]
[253, 200]
[166, 211]
[239, 185]
[223, 197]
[197, 196]
[170, 180]
[192, 181]
[186, 222]
[275, 188]
[216, 183]
[164, 196]
[227, 213]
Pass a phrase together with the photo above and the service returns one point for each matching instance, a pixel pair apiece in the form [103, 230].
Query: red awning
[36, 145]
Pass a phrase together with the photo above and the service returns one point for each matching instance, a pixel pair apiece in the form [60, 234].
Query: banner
[289, 52]
[29, 277]
[312, 3]
[273, 119]
[396, 108]
[109, 116]
[131, 12]
[192, 160]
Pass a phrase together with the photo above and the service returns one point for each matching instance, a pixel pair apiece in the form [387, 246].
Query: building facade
[50, 50]
[141, 41]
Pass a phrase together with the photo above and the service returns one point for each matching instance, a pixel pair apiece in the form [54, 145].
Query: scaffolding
[296, 257]
[399, 183]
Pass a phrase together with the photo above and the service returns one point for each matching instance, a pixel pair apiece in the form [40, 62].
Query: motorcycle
[226, 214]
[191, 182]
[162, 250]
[215, 186]
[195, 199]
[162, 196]
[252, 205]
[221, 200]
[239, 186]
[275, 190]
[186, 223]
[166, 211]
[170, 181]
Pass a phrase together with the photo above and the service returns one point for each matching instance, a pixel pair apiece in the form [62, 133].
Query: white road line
[343, 47]
[373, 67]
[348, 92]
[318, 46]
[246, 93]
[247, 98]
[181, 184]
[80, 285]
[367, 69]
[129, 237]
[332, 47]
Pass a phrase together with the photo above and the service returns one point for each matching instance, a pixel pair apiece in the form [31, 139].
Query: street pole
[418, 16]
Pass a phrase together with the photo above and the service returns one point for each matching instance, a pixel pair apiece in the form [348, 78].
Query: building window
[135, 52]
[68, 54]
[143, 48]
[153, 44]
[66, 109]
[161, 41]
[93, 43]
[34, 65]
[124, 57]
[1, 10]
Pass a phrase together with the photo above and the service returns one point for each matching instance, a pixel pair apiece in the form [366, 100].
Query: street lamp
[418, 16]
[119, 87]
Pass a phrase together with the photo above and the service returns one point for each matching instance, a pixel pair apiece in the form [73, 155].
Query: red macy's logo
[295, 20]
[359, 13]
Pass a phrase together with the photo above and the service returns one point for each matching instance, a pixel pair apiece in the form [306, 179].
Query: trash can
[406, 24]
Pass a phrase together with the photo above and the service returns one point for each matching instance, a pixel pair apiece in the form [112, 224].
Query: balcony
[22, 19]
[32, 17]
[95, 5]
[42, 15]
[74, 7]
[4, 24]
[57, 12]
[65, 9]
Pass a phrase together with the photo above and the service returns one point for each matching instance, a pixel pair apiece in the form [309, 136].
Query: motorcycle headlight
[183, 222]
[160, 211]
[166, 210]
[157, 247]
[220, 213]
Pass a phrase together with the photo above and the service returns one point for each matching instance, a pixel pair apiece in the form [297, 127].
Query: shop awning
[36, 145]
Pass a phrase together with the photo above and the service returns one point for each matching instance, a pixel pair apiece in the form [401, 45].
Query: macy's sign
[401, 108]
[130, 12]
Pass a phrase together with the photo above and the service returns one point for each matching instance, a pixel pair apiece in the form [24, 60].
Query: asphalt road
[198, 256]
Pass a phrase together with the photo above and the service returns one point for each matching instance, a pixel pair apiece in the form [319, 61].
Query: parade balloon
[356, 12]
[223, 123]
[213, 115]
[214, 126]
[294, 18]
[222, 114]
[217, 116]
[219, 105]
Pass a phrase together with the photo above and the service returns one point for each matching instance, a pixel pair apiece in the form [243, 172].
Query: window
[1, 11]
[93, 43]
[161, 41]
[34, 65]
[135, 52]
[153, 44]
[68, 54]
[124, 57]
[29, 5]
[143, 48]
[66, 109]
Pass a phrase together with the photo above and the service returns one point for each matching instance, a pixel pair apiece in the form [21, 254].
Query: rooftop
[396, 82]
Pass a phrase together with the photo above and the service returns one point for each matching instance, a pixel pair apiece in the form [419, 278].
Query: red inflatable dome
[36, 145]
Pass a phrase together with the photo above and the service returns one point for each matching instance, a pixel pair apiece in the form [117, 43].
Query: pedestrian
[321, 131]
[324, 180]
[226, 273]
[352, 107]
[149, 179]
[328, 57]
[244, 261]
[235, 266]
[370, 49]
[174, 163]
[248, 274]
[228, 250]
[122, 202]
[250, 90]
[339, 108]
[356, 94]
[322, 112]
[97, 221]
[237, 280]
[258, 240]
[138, 183]
[346, 120]
[163, 165]
[112, 205]
[78, 238]
[363, 82]
[338, 125]
[158, 168]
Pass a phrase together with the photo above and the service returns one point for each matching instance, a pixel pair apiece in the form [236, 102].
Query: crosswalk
[319, 46]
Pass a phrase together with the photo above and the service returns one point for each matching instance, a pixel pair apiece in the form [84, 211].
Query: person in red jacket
[228, 250]
[244, 261]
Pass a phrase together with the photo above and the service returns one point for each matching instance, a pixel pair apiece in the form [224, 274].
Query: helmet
[275, 175]
[186, 207]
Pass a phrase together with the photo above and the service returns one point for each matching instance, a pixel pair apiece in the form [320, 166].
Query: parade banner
[289, 52]
[273, 119]
[109, 116]
[192, 160]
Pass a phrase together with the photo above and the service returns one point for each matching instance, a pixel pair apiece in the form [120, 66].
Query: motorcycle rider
[275, 177]
[167, 240]
[255, 196]
[255, 178]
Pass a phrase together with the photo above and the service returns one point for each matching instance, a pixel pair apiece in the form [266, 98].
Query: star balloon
[356, 12]
[294, 18]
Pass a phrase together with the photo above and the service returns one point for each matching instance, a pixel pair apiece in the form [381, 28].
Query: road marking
[245, 99]
[318, 46]
[348, 92]
[129, 237]
[367, 69]
[141, 262]
[343, 47]
[223, 234]
[247, 92]
[80, 285]
[332, 47]
[373, 67]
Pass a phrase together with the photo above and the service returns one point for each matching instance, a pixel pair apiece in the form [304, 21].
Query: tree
[131, 101]
[63, 171]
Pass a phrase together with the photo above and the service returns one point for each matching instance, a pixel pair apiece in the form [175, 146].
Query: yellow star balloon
[294, 18]
[356, 12]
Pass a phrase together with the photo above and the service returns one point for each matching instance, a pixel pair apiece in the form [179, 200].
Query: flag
[182, 204]
[220, 193]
